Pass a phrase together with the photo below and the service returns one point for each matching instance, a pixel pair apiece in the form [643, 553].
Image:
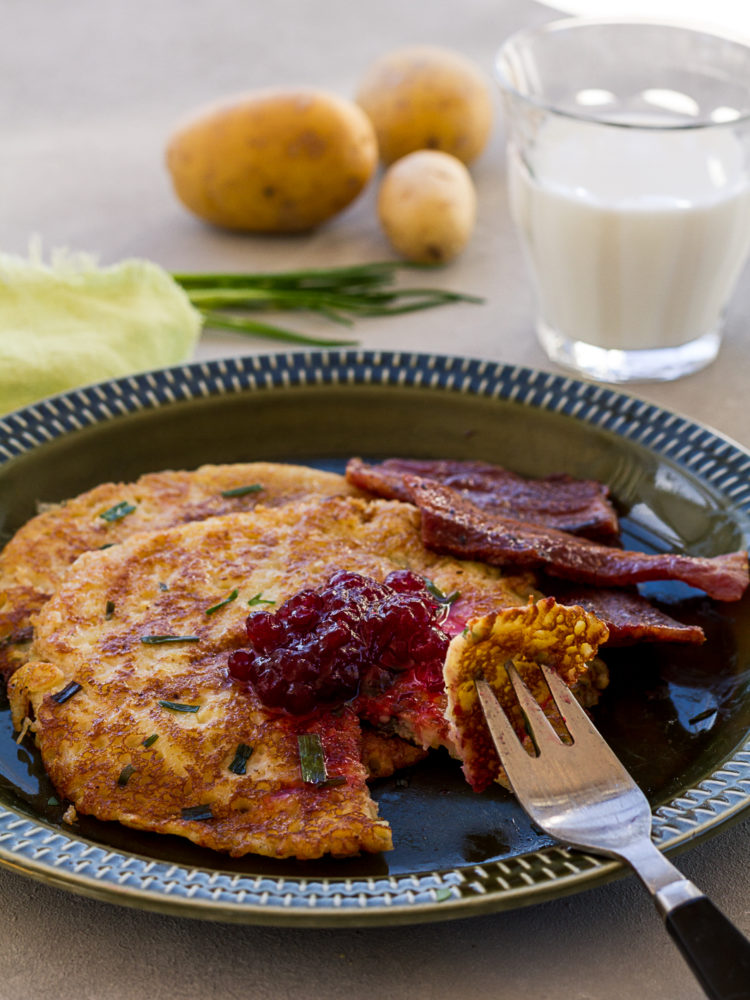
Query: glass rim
[601, 118]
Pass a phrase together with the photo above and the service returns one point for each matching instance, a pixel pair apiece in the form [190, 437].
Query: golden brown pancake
[96, 744]
[565, 638]
[33, 562]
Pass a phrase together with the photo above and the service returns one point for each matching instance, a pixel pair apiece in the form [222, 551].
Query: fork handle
[717, 953]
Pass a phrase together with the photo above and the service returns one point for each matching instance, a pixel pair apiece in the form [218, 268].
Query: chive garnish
[258, 599]
[439, 595]
[197, 812]
[117, 512]
[702, 716]
[109, 609]
[107, 545]
[125, 774]
[441, 895]
[241, 491]
[221, 604]
[179, 706]
[150, 740]
[333, 782]
[155, 640]
[67, 692]
[311, 758]
[163, 586]
[52, 801]
[241, 758]
[341, 294]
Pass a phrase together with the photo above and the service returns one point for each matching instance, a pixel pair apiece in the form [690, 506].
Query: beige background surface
[88, 93]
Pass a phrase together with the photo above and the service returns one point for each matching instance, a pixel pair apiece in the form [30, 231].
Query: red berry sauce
[322, 647]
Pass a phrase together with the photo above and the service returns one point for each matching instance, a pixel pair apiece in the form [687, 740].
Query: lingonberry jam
[323, 646]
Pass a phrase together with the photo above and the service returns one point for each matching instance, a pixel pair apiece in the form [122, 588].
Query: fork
[580, 794]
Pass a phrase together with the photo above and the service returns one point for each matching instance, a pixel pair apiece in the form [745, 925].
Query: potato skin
[427, 206]
[427, 97]
[272, 161]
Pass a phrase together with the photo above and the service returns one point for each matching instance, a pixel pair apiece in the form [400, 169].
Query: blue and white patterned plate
[682, 487]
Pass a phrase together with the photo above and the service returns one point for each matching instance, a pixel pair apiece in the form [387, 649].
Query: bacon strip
[628, 615]
[580, 506]
[452, 524]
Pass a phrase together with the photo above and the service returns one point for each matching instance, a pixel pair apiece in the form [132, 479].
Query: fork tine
[513, 756]
[577, 722]
[537, 723]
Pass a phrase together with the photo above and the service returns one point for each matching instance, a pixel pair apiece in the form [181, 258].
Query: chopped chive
[241, 758]
[52, 801]
[67, 692]
[109, 609]
[311, 758]
[155, 640]
[333, 782]
[197, 812]
[179, 706]
[163, 586]
[150, 740]
[125, 774]
[442, 894]
[221, 604]
[258, 599]
[438, 593]
[107, 545]
[118, 512]
[241, 491]
[702, 716]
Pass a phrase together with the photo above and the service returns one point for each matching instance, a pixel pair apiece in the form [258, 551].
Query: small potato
[427, 97]
[273, 161]
[427, 206]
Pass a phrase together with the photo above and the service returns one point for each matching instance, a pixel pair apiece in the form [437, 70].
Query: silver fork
[581, 794]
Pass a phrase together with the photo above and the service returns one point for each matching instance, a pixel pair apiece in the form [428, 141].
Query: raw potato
[427, 206]
[426, 97]
[273, 161]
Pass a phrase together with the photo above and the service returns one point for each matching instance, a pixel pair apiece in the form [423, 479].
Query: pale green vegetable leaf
[70, 322]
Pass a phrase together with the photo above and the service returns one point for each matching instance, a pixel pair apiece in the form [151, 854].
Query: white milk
[635, 237]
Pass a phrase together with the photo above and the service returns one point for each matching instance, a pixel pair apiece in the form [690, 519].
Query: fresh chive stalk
[258, 599]
[179, 706]
[311, 758]
[227, 600]
[150, 740]
[438, 594]
[241, 491]
[67, 692]
[118, 512]
[241, 757]
[157, 640]
[125, 774]
[340, 294]
[198, 812]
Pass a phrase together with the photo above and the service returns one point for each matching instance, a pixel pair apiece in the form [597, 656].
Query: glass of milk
[629, 183]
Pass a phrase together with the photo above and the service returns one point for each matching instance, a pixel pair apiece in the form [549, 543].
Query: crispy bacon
[629, 616]
[575, 505]
[453, 524]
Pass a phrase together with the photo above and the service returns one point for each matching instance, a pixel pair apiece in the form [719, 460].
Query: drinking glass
[629, 181]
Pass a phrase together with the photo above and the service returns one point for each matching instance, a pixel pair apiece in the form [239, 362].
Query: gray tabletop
[89, 94]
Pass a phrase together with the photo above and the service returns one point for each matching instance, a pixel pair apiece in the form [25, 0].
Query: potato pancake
[33, 562]
[135, 713]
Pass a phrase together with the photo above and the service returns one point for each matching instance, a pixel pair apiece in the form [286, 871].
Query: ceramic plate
[679, 717]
